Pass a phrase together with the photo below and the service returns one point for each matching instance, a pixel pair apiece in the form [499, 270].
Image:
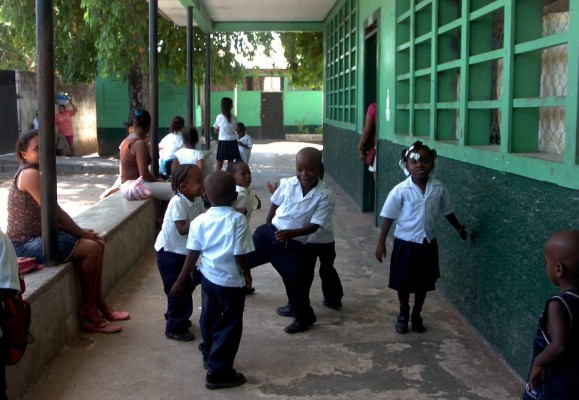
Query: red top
[63, 122]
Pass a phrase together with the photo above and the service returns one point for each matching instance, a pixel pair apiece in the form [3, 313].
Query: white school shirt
[226, 128]
[325, 234]
[9, 274]
[170, 144]
[415, 213]
[189, 156]
[220, 234]
[180, 208]
[245, 199]
[296, 210]
[244, 151]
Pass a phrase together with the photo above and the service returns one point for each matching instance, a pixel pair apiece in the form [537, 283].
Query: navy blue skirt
[228, 150]
[414, 266]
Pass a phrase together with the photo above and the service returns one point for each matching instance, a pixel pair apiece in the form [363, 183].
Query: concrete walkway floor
[354, 353]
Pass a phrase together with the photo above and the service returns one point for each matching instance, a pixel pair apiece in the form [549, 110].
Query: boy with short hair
[244, 142]
[555, 367]
[222, 238]
[299, 207]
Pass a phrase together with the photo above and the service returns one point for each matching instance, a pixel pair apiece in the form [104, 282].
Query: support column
[154, 86]
[207, 116]
[190, 103]
[45, 98]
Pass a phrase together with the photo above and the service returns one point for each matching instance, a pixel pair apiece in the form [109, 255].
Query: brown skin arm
[366, 135]
[188, 266]
[557, 329]
[271, 213]
[381, 247]
[243, 263]
[74, 109]
[30, 183]
[141, 151]
[461, 229]
[289, 234]
[182, 227]
[174, 164]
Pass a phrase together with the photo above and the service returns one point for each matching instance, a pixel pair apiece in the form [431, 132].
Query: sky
[277, 61]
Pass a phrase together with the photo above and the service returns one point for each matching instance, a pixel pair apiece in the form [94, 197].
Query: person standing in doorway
[63, 121]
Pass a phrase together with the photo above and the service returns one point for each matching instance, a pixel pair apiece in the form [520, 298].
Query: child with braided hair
[186, 205]
[414, 205]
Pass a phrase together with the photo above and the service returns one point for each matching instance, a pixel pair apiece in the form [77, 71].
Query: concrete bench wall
[128, 228]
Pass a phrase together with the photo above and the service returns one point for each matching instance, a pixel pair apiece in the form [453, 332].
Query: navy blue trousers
[331, 284]
[221, 325]
[290, 260]
[179, 309]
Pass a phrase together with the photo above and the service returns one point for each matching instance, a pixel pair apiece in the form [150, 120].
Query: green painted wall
[302, 108]
[510, 202]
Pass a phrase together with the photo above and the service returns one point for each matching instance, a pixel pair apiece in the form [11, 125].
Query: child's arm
[242, 210]
[242, 144]
[557, 329]
[271, 212]
[243, 263]
[381, 247]
[289, 234]
[272, 187]
[182, 227]
[188, 266]
[461, 229]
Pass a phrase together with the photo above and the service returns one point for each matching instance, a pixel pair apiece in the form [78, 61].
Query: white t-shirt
[325, 234]
[296, 210]
[220, 234]
[170, 144]
[415, 213]
[9, 276]
[244, 151]
[245, 199]
[189, 156]
[226, 128]
[180, 208]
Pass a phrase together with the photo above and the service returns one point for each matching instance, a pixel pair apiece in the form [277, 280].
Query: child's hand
[537, 374]
[272, 187]
[284, 235]
[177, 289]
[381, 252]
[462, 232]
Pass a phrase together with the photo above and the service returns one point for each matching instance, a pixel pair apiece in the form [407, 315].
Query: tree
[304, 52]
[111, 37]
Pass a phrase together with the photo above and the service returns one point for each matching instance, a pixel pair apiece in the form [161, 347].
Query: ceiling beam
[268, 26]
[200, 14]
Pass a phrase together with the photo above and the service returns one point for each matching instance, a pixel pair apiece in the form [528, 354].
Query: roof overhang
[250, 15]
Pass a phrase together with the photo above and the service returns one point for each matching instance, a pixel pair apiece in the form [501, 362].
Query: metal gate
[272, 115]
[8, 112]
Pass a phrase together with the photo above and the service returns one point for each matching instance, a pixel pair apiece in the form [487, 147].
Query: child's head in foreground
[187, 179]
[308, 167]
[220, 189]
[562, 258]
[240, 172]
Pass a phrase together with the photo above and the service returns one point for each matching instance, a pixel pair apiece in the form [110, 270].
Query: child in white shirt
[188, 154]
[169, 145]
[246, 201]
[184, 207]
[222, 239]
[244, 142]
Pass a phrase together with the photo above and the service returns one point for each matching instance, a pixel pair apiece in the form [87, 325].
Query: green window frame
[341, 64]
[491, 82]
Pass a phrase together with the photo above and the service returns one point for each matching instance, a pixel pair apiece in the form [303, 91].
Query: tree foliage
[304, 52]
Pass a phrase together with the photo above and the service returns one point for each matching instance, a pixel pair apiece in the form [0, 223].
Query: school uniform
[289, 258]
[245, 152]
[245, 199]
[221, 234]
[414, 262]
[561, 381]
[171, 248]
[321, 245]
[227, 147]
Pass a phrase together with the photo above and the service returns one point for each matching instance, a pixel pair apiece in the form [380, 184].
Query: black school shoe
[402, 324]
[214, 382]
[296, 327]
[285, 311]
[182, 337]
[335, 306]
[417, 325]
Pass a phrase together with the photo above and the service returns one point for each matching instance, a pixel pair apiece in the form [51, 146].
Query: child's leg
[331, 284]
[221, 326]
[402, 322]
[416, 319]
[179, 309]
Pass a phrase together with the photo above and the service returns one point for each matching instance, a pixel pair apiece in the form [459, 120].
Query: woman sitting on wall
[82, 246]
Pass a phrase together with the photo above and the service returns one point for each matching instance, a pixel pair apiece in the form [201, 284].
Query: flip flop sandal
[118, 316]
[104, 327]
